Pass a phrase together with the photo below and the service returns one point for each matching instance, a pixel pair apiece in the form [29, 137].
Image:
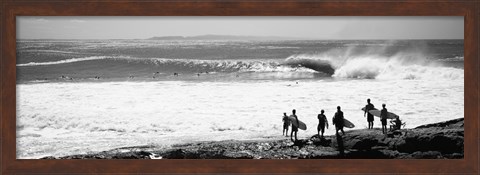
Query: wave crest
[72, 60]
[311, 62]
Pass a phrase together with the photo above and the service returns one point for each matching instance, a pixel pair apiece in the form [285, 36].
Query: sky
[311, 27]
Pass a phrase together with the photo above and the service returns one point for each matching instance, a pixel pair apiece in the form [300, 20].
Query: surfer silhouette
[383, 118]
[338, 120]
[396, 124]
[286, 124]
[370, 117]
[294, 127]
[322, 121]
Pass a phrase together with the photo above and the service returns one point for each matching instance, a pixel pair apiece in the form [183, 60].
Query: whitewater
[138, 101]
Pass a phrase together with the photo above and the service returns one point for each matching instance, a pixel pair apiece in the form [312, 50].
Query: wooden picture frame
[10, 9]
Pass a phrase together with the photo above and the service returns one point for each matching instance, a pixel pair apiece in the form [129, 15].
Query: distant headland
[223, 37]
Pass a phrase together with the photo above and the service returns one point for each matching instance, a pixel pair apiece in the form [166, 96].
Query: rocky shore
[442, 140]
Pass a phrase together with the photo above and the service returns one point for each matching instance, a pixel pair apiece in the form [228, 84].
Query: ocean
[84, 96]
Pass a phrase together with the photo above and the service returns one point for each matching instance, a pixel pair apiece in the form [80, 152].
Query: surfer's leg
[296, 135]
[291, 135]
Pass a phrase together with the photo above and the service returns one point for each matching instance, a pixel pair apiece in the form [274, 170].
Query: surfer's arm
[365, 112]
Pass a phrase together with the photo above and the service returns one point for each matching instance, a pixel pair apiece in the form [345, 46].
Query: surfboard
[377, 113]
[301, 126]
[363, 109]
[348, 124]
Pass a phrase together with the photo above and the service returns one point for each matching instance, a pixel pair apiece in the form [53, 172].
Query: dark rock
[458, 122]
[367, 154]
[435, 142]
[176, 154]
[365, 144]
[453, 156]
[427, 155]
[300, 143]
[320, 141]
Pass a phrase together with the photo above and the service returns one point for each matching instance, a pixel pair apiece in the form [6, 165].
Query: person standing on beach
[369, 107]
[322, 121]
[294, 127]
[338, 121]
[286, 124]
[383, 118]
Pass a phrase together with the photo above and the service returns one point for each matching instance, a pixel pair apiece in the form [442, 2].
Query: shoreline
[443, 140]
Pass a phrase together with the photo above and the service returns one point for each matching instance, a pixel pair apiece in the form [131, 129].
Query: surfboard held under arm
[300, 125]
[363, 109]
[348, 124]
[377, 113]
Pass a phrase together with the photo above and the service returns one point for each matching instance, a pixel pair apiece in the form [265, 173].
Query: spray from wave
[375, 63]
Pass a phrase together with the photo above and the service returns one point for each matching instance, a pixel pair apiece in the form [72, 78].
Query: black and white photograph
[240, 87]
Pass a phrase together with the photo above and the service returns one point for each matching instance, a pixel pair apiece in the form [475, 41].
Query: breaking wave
[72, 60]
[187, 65]
[334, 64]
[375, 66]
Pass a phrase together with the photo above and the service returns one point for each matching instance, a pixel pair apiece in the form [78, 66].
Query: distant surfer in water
[369, 107]
[322, 121]
[383, 118]
[286, 124]
[294, 127]
[155, 74]
[338, 121]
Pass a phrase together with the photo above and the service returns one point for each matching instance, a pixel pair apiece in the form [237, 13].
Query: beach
[443, 140]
